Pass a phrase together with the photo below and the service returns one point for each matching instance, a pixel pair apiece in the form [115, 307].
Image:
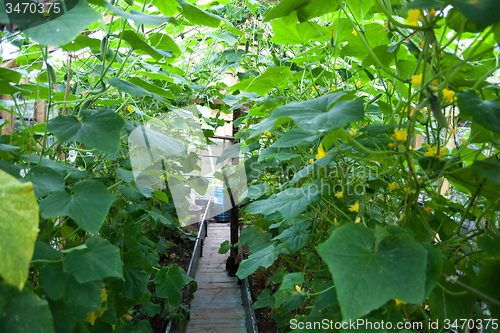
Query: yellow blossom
[435, 82]
[339, 194]
[321, 152]
[391, 145]
[354, 32]
[353, 131]
[222, 22]
[266, 134]
[315, 89]
[85, 93]
[398, 302]
[311, 160]
[393, 186]
[354, 208]
[335, 220]
[410, 147]
[297, 288]
[432, 151]
[400, 135]
[428, 209]
[448, 94]
[413, 17]
[357, 220]
[359, 83]
[130, 109]
[432, 12]
[416, 79]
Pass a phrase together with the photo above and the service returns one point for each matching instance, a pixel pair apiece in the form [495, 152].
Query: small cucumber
[99, 90]
[52, 74]
[103, 48]
[437, 111]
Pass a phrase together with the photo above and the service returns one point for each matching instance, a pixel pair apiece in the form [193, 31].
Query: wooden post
[11, 117]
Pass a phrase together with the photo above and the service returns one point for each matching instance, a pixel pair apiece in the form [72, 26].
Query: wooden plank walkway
[217, 305]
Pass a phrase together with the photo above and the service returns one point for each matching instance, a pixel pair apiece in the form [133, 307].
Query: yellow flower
[432, 151]
[315, 89]
[130, 109]
[357, 220]
[297, 288]
[354, 208]
[339, 194]
[266, 134]
[448, 94]
[398, 301]
[435, 82]
[410, 147]
[311, 160]
[353, 131]
[335, 220]
[393, 186]
[85, 93]
[400, 135]
[413, 110]
[359, 83]
[416, 79]
[354, 32]
[222, 22]
[321, 152]
[391, 145]
[432, 12]
[428, 209]
[413, 17]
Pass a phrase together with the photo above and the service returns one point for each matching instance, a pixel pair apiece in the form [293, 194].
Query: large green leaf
[18, 229]
[10, 75]
[166, 7]
[45, 180]
[305, 9]
[367, 275]
[98, 260]
[169, 283]
[485, 113]
[58, 284]
[490, 170]
[139, 17]
[483, 13]
[164, 42]
[87, 206]
[315, 115]
[290, 202]
[273, 77]
[138, 44]
[263, 258]
[98, 129]
[487, 283]
[81, 42]
[296, 34]
[199, 17]
[294, 137]
[152, 88]
[128, 87]
[23, 311]
[64, 28]
[295, 237]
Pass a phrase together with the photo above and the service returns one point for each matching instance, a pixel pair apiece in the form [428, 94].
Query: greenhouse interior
[244, 166]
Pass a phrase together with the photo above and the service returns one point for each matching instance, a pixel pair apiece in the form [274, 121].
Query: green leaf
[292, 279]
[486, 282]
[482, 14]
[139, 17]
[169, 283]
[197, 16]
[273, 77]
[164, 42]
[294, 137]
[263, 258]
[289, 203]
[224, 247]
[138, 44]
[166, 7]
[23, 311]
[63, 29]
[45, 180]
[305, 9]
[19, 229]
[490, 170]
[297, 34]
[231, 151]
[128, 87]
[58, 284]
[150, 309]
[367, 275]
[99, 260]
[424, 4]
[98, 129]
[265, 299]
[10, 75]
[295, 237]
[229, 39]
[87, 193]
[485, 113]
[81, 42]
[295, 302]
[152, 88]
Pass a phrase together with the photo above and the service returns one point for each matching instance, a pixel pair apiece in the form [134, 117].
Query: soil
[265, 323]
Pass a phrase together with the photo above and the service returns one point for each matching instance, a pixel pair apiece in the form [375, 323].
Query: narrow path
[217, 305]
